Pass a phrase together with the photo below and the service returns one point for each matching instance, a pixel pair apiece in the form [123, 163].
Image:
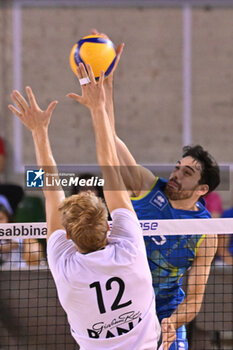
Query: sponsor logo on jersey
[118, 326]
[159, 200]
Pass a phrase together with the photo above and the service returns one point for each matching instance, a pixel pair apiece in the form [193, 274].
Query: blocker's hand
[168, 333]
[93, 95]
[119, 51]
[30, 114]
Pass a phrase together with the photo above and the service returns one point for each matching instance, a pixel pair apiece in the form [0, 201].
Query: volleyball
[96, 50]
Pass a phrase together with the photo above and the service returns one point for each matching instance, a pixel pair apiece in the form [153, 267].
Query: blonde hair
[84, 217]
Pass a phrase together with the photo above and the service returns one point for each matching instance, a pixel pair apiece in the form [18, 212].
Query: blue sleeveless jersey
[169, 257]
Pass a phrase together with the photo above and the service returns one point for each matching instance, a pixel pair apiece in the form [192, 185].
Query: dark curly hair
[210, 173]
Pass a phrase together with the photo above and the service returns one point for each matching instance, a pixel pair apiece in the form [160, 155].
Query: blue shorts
[181, 342]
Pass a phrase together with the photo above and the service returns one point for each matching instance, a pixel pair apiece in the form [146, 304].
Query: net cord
[150, 228]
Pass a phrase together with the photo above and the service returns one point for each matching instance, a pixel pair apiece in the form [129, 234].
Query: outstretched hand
[93, 94]
[30, 113]
[119, 51]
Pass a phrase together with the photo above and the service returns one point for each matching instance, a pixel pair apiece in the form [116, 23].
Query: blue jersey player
[169, 257]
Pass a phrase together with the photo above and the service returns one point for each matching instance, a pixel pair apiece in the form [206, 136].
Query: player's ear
[203, 189]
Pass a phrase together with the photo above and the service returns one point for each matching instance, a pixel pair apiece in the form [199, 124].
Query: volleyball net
[30, 313]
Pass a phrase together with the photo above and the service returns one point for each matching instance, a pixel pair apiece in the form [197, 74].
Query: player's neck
[184, 204]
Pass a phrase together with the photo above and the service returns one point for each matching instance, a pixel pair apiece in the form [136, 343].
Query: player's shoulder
[150, 188]
[57, 242]
[147, 180]
[202, 212]
[56, 235]
[124, 212]
[123, 217]
[125, 224]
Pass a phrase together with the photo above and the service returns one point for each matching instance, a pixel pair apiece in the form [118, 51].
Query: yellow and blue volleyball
[95, 50]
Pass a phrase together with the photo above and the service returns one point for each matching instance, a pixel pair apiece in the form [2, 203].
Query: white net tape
[149, 227]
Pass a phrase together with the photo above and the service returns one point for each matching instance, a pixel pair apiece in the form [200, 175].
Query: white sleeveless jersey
[107, 294]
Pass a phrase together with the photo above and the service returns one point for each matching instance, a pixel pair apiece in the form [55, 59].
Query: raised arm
[223, 249]
[93, 97]
[136, 177]
[197, 279]
[37, 121]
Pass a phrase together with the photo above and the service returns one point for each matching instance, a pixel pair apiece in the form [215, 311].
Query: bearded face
[184, 180]
[174, 191]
